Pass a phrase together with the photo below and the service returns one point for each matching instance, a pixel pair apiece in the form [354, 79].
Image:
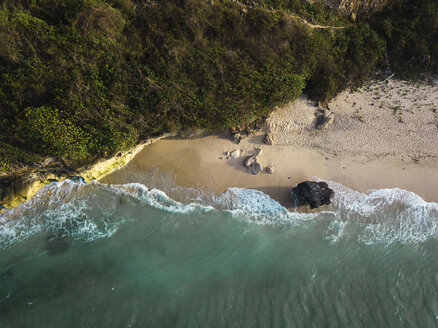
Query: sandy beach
[384, 135]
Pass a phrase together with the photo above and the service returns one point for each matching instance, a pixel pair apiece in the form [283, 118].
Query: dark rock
[2, 207]
[53, 180]
[77, 179]
[237, 138]
[255, 168]
[313, 193]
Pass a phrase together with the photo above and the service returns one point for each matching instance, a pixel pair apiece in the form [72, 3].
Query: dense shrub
[411, 30]
[355, 53]
[52, 133]
[86, 78]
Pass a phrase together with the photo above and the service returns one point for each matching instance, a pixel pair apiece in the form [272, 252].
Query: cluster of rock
[252, 163]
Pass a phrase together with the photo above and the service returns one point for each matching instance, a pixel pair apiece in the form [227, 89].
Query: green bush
[411, 30]
[12, 156]
[52, 133]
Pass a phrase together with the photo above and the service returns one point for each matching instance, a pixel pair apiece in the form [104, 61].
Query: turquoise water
[92, 255]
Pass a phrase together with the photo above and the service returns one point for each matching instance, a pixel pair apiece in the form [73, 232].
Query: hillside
[80, 80]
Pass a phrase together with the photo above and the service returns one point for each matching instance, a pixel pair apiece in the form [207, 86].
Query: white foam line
[381, 216]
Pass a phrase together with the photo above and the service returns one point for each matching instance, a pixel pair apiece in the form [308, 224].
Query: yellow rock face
[26, 189]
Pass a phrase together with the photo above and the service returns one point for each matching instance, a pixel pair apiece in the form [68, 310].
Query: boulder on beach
[270, 169]
[254, 167]
[269, 139]
[313, 193]
[235, 154]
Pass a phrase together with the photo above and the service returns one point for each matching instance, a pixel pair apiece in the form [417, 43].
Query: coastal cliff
[21, 186]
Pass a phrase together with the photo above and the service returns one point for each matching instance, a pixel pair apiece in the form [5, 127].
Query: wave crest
[91, 211]
[384, 215]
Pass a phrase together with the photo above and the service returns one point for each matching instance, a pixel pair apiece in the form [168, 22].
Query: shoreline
[379, 138]
[195, 164]
[22, 188]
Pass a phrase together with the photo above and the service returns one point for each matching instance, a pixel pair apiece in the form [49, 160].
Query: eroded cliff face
[356, 8]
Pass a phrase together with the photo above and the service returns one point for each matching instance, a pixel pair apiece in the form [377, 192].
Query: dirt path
[316, 26]
[302, 20]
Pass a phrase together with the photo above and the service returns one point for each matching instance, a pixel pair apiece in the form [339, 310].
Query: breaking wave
[383, 215]
[87, 212]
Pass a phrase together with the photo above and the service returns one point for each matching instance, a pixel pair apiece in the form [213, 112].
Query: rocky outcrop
[323, 119]
[22, 185]
[17, 189]
[253, 165]
[313, 193]
[269, 139]
[353, 8]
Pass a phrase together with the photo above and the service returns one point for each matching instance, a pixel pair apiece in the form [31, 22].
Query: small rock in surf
[77, 179]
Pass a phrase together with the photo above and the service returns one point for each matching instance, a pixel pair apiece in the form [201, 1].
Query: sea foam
[91, 211]
[384, 215]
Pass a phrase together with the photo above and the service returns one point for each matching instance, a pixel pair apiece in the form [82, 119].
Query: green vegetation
[314, 12]
[86, 78]
[411, 30]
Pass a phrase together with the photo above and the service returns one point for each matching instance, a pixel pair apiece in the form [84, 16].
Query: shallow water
[92, 255]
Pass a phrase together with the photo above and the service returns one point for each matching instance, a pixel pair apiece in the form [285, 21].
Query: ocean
[97, 255]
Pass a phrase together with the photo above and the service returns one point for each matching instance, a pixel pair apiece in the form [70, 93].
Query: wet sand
[196, 163]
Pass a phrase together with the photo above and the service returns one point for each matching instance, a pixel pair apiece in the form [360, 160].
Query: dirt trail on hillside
[302, 20]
